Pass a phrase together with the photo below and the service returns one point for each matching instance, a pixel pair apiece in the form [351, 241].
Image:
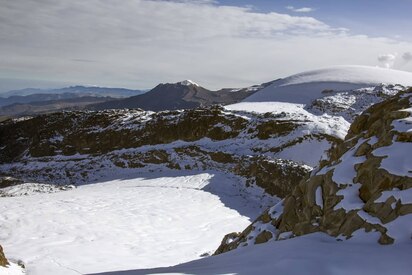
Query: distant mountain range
[79, 90]
[40, 98]
[170, 96]
[35, 101]
[47, 106]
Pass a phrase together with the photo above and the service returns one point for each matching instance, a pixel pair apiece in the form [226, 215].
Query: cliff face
[365, 185]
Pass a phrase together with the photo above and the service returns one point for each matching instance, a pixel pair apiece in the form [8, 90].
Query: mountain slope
[365, 186]
[181, 95]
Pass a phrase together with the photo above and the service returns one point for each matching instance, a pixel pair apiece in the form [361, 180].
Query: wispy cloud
[304, 9]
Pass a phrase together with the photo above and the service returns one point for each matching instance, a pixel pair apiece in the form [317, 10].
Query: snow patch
[350, 200]
[405, 196]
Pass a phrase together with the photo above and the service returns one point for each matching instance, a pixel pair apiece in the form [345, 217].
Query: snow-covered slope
[304, 87]
[314, 254]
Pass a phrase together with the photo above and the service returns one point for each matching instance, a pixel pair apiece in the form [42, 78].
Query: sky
[140, 43]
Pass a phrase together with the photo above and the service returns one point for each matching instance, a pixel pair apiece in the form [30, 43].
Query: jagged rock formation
[365, 185]
[3, 260]
[349, 104]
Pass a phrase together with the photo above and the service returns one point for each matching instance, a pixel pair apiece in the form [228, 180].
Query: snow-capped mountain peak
[188, 82]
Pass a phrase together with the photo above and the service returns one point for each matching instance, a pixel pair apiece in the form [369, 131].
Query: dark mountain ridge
[78, 89]
[182, 95]
[47, 106]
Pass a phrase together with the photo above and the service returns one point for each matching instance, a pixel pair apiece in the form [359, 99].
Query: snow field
[124, 224]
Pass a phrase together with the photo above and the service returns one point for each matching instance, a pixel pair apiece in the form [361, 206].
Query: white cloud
[304, 9]
[387, 60]
[141, 43]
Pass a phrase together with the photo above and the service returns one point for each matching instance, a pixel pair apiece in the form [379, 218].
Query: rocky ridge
[83, 146]
[364, 185]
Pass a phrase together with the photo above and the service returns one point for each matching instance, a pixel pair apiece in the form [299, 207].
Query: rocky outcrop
[364, 186]
[69, 133]
[3, 260]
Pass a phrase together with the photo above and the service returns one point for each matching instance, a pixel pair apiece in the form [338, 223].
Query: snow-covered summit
[352, 74]
[188, 82]
[305, 87]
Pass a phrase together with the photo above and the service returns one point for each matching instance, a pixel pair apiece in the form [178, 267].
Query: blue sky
[372, 17]
[140, 43]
